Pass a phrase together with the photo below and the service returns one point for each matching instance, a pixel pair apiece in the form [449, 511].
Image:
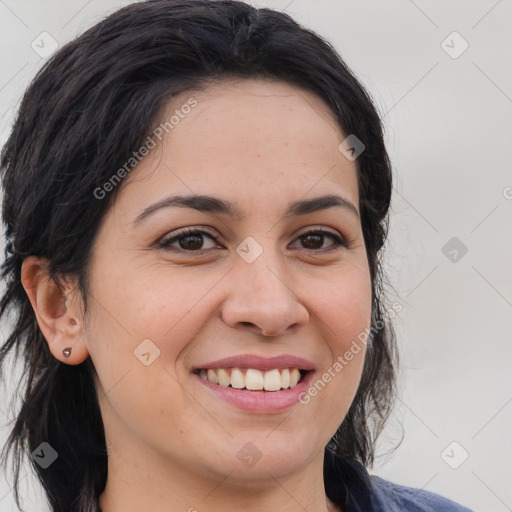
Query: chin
[259, 456]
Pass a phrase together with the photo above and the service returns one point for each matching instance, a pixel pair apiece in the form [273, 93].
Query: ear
[56, 309]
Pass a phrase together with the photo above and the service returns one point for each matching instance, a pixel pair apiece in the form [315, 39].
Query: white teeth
[237, 379]
[224, 378]
[212, 376]
[272, 380]
[254, 380]
[294, 377]
[285, 378]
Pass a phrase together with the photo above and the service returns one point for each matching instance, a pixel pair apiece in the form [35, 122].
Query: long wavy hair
[90, 106]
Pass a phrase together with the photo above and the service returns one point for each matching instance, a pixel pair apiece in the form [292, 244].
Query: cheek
[344, 307]
[169, 306]
[174, 305]
[138, 316]
[150, 300]
[344, 318]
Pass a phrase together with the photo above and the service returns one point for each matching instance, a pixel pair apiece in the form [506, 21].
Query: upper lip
[258, 362]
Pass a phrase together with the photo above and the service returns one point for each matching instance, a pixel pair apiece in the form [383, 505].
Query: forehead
[256, 138]
[245, 112]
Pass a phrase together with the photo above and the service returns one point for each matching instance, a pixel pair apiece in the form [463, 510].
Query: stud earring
[67, 352]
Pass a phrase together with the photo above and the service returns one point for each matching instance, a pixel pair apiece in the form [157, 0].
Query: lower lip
[260, 401]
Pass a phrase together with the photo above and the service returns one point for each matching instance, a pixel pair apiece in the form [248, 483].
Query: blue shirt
[349, 486]
[391, 497]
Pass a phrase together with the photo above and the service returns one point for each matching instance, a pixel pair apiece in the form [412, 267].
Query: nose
[261, 299]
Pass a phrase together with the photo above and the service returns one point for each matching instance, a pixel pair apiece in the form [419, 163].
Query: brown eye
[314, 240]
[311, 241]
[191, 242]
[188, 239]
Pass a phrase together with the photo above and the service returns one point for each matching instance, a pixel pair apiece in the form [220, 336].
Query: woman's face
[163, 309]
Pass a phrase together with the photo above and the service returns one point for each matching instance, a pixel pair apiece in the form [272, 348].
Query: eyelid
[319, 228]
[181, 232]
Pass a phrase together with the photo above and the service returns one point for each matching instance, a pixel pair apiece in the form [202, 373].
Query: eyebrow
[214, 205]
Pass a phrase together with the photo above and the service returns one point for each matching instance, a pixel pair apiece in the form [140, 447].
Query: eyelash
[166, 243]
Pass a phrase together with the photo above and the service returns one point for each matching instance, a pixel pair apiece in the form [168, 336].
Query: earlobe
[56, 314]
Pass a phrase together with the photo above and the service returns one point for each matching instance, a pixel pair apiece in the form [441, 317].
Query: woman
[195, 198]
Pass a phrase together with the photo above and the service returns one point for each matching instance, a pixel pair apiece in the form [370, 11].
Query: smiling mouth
[251, 379]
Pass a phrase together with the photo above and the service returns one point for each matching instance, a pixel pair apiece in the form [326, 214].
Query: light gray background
[449, 133]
